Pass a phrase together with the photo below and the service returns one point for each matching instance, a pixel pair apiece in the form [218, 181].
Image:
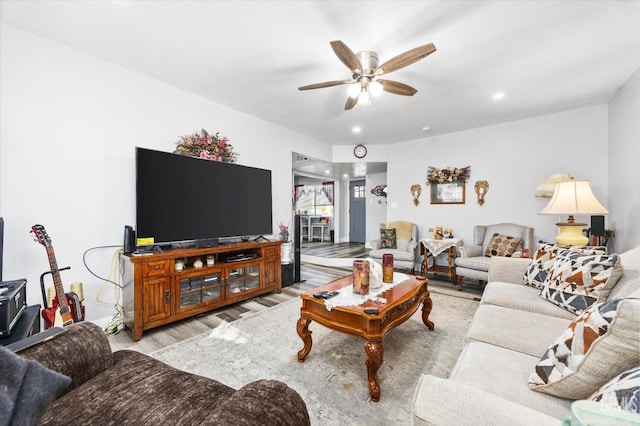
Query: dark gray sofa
[127, 387]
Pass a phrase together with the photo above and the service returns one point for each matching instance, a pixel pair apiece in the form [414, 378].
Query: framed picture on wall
[448, 192]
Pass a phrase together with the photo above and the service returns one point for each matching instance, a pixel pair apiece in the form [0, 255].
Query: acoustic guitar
[66, 307]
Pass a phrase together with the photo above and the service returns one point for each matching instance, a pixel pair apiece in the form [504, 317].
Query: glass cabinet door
[235, 280]
[199, 289]
[253, 277]
[243, 279]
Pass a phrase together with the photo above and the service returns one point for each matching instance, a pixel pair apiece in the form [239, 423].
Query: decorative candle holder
[387, 268]
[361, 276]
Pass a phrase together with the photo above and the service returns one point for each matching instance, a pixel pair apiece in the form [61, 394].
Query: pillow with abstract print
[599, 344]
[577, 280]
[622, 393]
[542, 260]
[388, 238]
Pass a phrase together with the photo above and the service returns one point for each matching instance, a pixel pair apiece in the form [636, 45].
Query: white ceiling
[546, 56]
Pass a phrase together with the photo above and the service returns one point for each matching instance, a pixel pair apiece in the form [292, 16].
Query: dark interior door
[357, 211]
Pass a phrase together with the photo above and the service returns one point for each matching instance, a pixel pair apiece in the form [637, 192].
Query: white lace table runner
[348, 298]
[436, 247]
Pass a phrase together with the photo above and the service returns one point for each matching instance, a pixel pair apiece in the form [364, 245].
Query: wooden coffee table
[401, 302]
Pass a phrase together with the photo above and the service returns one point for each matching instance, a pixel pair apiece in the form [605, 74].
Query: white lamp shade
[363, 99]
[548, 187]
[375, 88]
[354, 90]
[574, 198]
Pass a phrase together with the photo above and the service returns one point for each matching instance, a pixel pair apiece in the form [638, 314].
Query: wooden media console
[156, 293]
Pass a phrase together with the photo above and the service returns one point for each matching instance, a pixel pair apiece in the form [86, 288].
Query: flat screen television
[182, 199]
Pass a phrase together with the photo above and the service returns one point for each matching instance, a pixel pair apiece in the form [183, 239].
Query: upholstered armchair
[404, 250]
[473, 261]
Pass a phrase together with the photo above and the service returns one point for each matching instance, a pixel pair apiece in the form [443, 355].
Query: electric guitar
[66, 306]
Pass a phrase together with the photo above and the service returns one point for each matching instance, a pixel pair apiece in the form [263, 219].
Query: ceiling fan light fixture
[364, 98]
[365, 70]
[354, 90]
[375, 88]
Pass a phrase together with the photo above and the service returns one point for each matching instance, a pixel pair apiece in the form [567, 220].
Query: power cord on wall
[115, 269]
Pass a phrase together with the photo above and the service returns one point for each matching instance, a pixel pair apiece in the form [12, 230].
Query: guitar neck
[57, 282]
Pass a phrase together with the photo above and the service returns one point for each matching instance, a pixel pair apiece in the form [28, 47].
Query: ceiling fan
[366, 79]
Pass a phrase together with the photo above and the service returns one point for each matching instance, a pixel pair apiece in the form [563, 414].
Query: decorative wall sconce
[416, 190]
[380, 191]
[481, 187]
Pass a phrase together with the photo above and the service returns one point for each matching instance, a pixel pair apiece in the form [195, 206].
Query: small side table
[430, 247]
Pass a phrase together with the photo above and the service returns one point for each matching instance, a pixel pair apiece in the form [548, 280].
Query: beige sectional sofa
[512, 328]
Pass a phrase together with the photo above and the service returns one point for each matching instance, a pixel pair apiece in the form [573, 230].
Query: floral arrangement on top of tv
[207, 146]
[450, 174]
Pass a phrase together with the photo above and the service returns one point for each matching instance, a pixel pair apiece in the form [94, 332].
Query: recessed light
[327, 171]
[426, 128]
[345, 175]
[356, 129]
[498, 96]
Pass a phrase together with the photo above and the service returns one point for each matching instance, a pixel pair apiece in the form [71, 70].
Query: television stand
[161, 288]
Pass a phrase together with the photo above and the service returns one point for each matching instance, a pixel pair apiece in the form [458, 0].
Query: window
[359, 191]
[314, 200]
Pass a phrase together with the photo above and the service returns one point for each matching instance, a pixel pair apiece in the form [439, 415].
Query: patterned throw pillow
[388, 238]
[502, 245]
[599, 344]
[542, 260]
[622, 393]
[578, 280]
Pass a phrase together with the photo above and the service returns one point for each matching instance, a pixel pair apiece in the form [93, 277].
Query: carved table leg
[424, 266]
[450, 260]
[374, 351]
[305, 335]
[427, 304]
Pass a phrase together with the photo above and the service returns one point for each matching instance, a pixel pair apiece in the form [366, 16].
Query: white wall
[70, 123]
[514, 158]
[376, 207]
[623, 164]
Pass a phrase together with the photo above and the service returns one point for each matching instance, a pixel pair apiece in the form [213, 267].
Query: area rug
[333, 378]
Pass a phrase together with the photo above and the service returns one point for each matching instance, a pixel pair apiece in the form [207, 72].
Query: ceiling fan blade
[347, 56]
[325, 84]
[405, 59]
[351, 102]
[397, 88]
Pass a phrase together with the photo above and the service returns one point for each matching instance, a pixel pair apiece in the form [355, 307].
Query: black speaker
[297, 242]
[1, 244]
[129, 240]
[597, 226]
[287, 274]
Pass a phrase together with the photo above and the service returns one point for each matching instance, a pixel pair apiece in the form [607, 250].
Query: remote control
[371, 311]
[330, 295]
[319, 295]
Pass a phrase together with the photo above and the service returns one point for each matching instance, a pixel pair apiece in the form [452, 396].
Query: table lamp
[573, 198]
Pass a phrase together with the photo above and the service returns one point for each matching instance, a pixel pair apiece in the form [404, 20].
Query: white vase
[285, 252]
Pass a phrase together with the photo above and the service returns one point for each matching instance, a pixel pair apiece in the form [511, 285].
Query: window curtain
[299, 191]
[327, 189]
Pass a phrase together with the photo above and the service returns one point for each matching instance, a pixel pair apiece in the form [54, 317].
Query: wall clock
[360, 151]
